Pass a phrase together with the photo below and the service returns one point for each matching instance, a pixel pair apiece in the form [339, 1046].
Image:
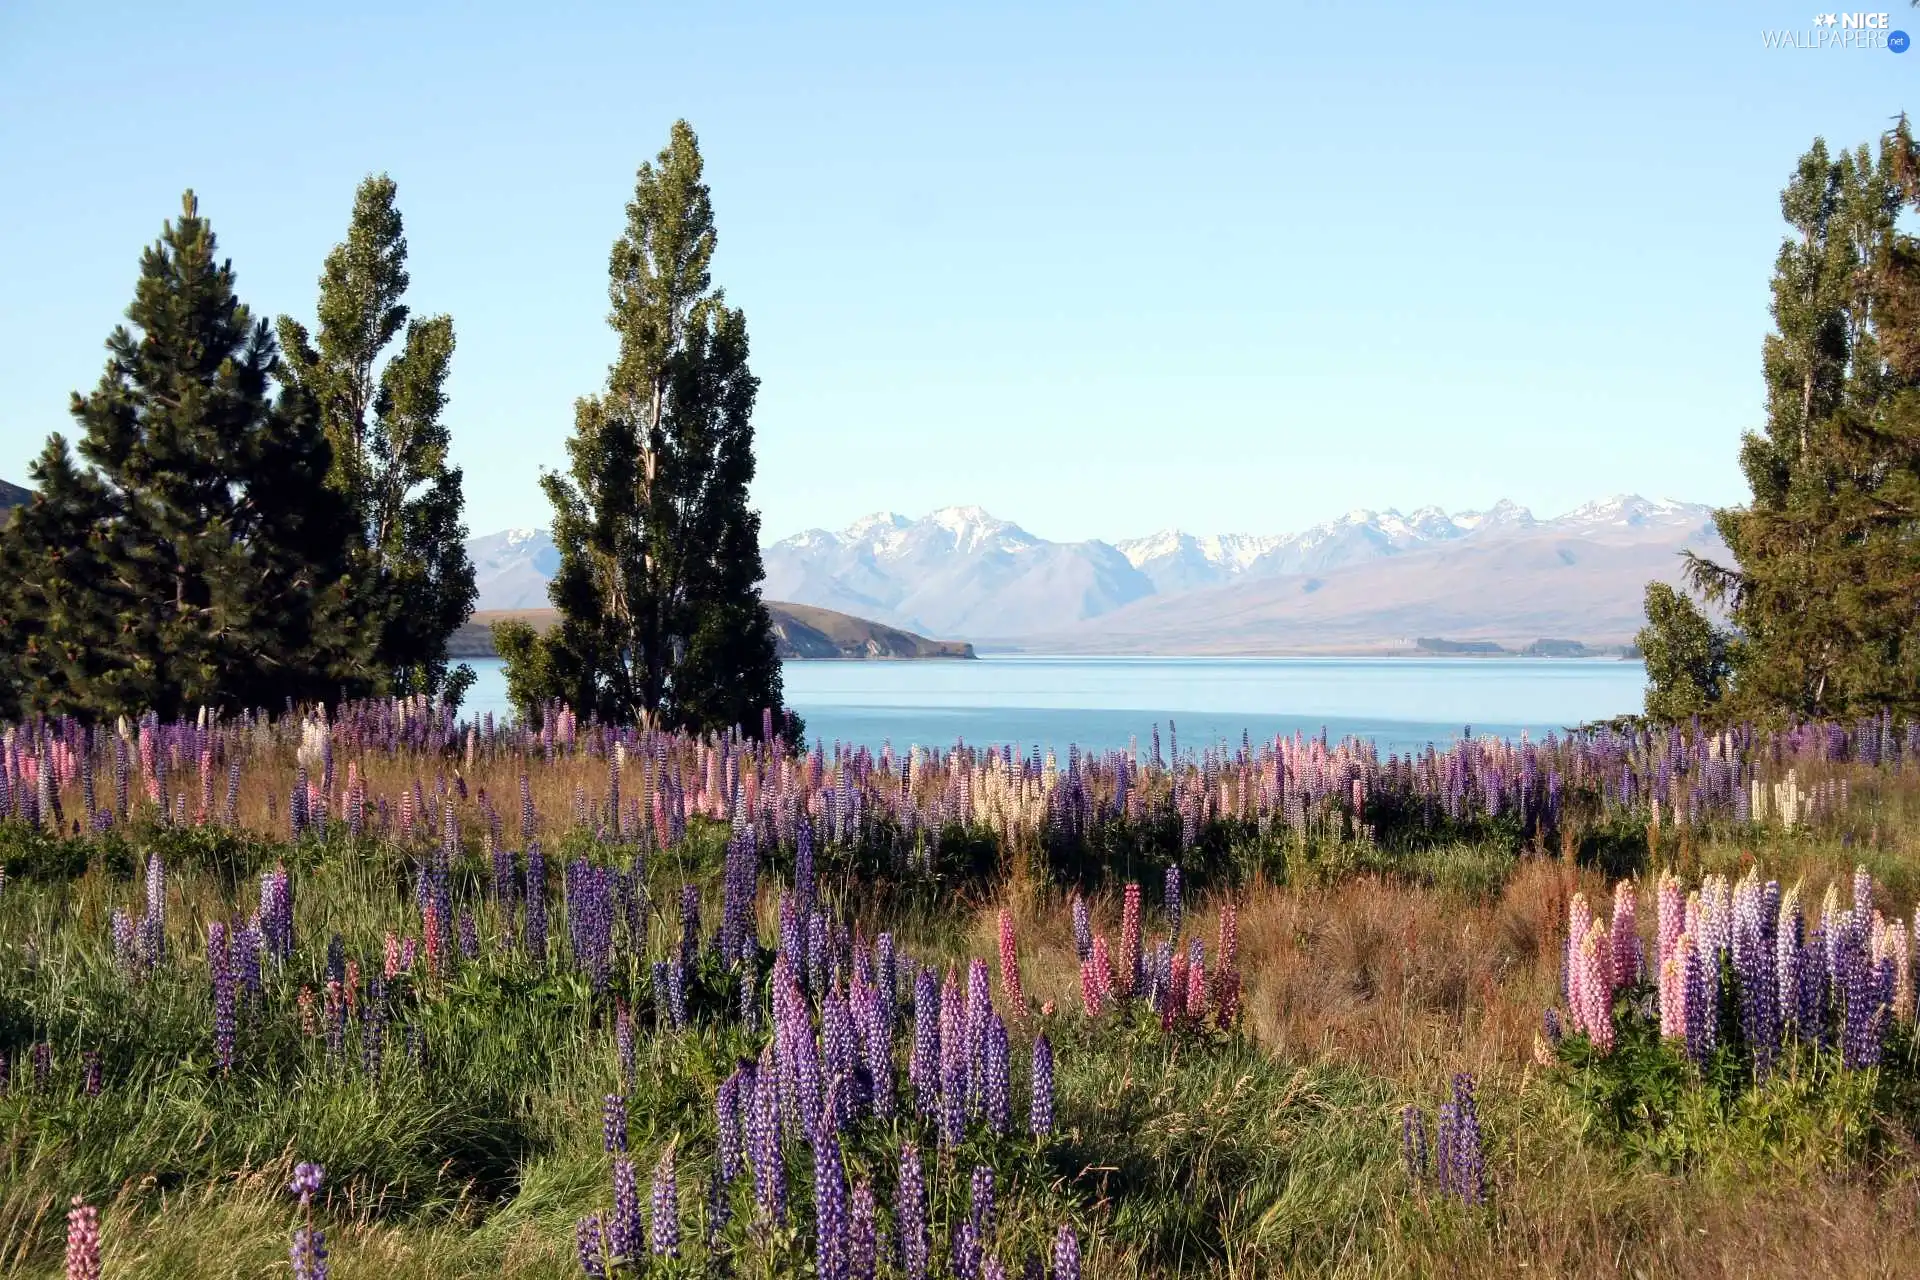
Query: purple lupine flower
[749, 1000]
[1171, 898]
[309, 1253]
[1082, 930]
[623, 1042]
[1462, 1167]
[469, 936]
[1040, 1108]
[689, 924]
[624, 1226]
[1703, 1003]
[997, 1078]
[803, 866]
[863, 1242]
[665, 1225]
[677, 994]
[1413, 1142]
[981, 1209]
[373, 1025]
[613, 1124]
[590, 1244]
[885, 979]
[993, 1269]
[1066, 1254]
[979, 1009]
[953, 1064]
[125, 953]
[726, 1112]
[923, 1068]
[830, 1205]
[910, 1214]
[763, 1148]
[220, 962]
[93, 1084]
[536, 923]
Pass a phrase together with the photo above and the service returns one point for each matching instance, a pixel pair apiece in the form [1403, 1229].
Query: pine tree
[413, 577]
[57, 601]
[1824, 595]
[215, 568]
[660, 616]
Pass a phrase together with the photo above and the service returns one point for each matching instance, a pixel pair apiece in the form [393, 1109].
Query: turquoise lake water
[1099, 703]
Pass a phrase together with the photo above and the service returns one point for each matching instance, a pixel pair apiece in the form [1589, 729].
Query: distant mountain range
[11, 496]
[799, 631]
[1368, 581]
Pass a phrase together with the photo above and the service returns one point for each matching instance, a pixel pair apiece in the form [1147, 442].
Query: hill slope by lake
[800, 632]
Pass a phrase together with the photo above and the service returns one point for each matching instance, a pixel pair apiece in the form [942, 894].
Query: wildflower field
[369, 991]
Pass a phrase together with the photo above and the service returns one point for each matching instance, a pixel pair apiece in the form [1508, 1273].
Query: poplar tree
[660, 616]
[214, 566]
[414, 582]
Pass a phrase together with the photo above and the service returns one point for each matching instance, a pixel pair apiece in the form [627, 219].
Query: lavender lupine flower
[309, 1252]
[1082, 930]
[469, 936]
[93, 1084]
[863, 1239]
[997, 1073]
[1171, 897]
[1413, 1142]
[83, 1241]
[830, 1206]
[624, 1226]
[910, 1214]
[1066, 1254]
[665, 1225]
[589, 1243]
[613, 1124]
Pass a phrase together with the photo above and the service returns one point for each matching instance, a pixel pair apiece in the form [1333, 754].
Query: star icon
[1828, 19]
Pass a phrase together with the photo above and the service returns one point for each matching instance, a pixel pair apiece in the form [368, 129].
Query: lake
[1401, 703]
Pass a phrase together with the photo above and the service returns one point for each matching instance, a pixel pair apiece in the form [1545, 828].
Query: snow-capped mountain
[962, 572]
[512, 568]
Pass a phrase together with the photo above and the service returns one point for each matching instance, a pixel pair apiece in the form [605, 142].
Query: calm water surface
[1100, 703]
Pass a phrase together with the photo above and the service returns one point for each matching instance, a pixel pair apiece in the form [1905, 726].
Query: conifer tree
[1823, 597]
[413, 578]
[215, 569]
[660, 616]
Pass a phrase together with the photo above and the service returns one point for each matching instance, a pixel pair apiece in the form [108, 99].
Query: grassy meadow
[182, 1027]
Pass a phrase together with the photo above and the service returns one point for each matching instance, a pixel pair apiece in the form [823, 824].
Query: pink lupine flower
[1010, 967]
[1625, 940]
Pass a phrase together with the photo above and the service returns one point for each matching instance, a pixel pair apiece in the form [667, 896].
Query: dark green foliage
[1686, 657]
[412, 575]
[1824, 597]
[660, 614]
[203, 561]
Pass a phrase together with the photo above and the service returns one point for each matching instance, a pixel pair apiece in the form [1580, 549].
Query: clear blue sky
[1098, 269]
